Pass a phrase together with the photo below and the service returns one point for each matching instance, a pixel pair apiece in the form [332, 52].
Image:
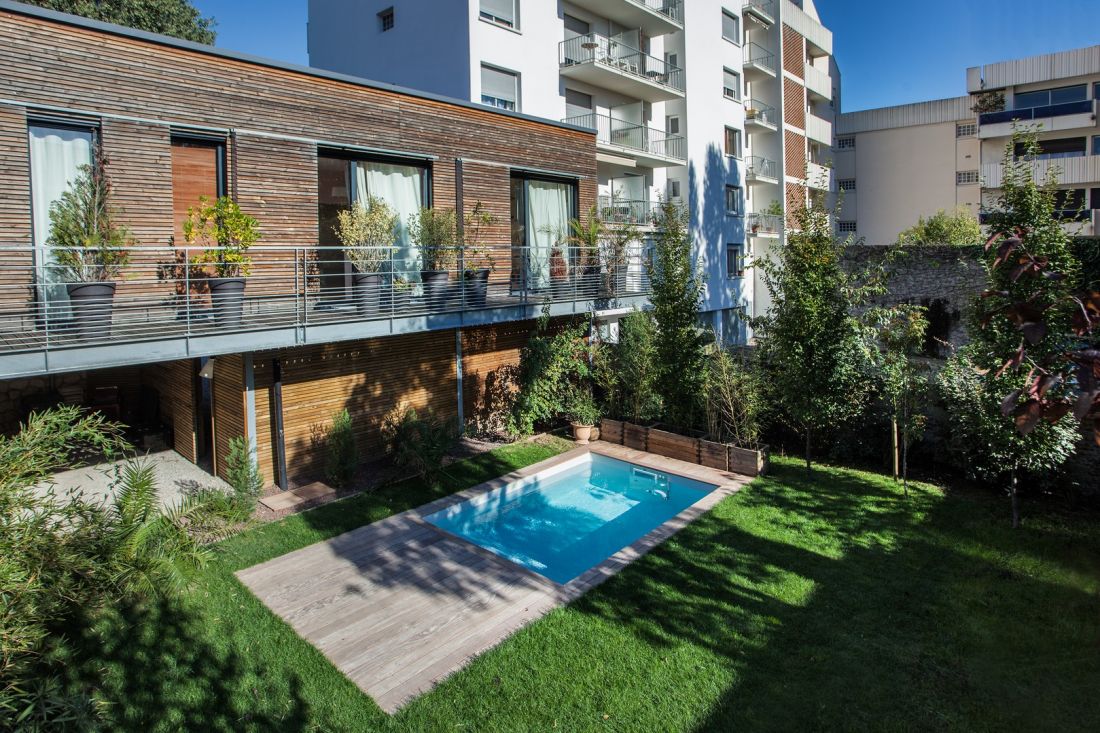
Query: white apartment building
[896, 164]
[721, 105]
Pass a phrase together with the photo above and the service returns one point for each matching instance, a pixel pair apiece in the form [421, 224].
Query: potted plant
[559, 272]
[366, 231]
[583, 414]
[434, 231]
[477, 259]
[587, 236]
[401, 289]
[90, 248]
[225, 233]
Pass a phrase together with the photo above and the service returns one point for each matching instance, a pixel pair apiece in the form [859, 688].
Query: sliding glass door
[541, 212]
[402, 188]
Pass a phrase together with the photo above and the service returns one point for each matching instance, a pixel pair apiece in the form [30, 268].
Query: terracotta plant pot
[582, 433]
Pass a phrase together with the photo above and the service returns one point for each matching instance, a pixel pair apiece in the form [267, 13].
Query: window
[966, 129]
[198, 170]
[733, 142]
[731, 27]
[1096, 144]
[673, 60]
[57, 154]
[734, 203]
[731, 85]
[735, 260]
[578, 104]
[541, 211]
[673, 190]
[499, 88]
[672, 125]
[963, 178]
[846, 143]
[501, 12]
[1071, 147]
[846, 227]
[1043, 97]
[385, 20]
[846, 184]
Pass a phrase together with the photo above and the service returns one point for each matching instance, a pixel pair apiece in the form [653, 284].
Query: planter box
[634, 436]
[611, 431]
[748, 462]
[672, 445]
[714, 455]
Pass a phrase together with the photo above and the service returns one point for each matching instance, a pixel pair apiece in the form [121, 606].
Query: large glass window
[499, 88]
[733, 142]
[1043, 97]
[57, 154]
[1071, 147]
[541, 210]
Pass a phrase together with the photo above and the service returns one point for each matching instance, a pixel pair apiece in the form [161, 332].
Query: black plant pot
[368, 293]
[561, 289]
[92, 305]
[227, 299]
[400, 298]
[436, 286]
[477, 287]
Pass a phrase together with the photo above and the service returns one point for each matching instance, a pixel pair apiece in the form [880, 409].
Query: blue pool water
[571, 517]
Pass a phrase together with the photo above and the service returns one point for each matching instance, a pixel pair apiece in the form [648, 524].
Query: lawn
[796, 604]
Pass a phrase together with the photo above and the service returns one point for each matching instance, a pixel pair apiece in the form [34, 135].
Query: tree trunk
[809, 459]
[894, 442]
[1015, 501]
[905, 461]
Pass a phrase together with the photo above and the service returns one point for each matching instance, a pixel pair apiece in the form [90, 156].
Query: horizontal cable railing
[767, 223]
[1038, 113]
[594, 48]
[617, 210]
[632, 135]
[757, 111]
[760, 167]
[672, 9]
[757, 55]
[164, 293]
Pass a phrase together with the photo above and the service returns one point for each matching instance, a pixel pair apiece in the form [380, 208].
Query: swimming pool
[571, 517]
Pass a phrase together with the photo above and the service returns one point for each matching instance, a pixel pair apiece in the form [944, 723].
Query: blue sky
[890, 51]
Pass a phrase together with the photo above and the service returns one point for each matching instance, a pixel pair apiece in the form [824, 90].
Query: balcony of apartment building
[1068, 157]
[819, 84]
[169, 306]
[759, 62]
[647, 146]
[611, 63]
[819, 129]
[1062, 108]
[761, 171]
[760, 117]
[652, 17]
[761, 12]
[766, 226]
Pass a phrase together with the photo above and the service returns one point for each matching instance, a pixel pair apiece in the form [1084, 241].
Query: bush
[583, 409]
[627, 371]
[417, 442]
[551, 367]
[243, 474]
[341, 460]
[733, 400]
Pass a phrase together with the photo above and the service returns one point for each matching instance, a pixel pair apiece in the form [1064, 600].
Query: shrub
[417, 442]
[341, 459]
[734, 401]
[367, 233]
[627, 371]
[243, 473]
[551, 366]
[959, 229]
[582, 408]
[435, 231]
[225, 232]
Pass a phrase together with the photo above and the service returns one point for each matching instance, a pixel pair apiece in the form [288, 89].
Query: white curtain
[547, 227]
[57, 153]
[401, 187]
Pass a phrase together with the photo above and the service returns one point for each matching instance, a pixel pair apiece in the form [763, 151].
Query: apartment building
[292, 146]
[897, 164]
[720, 105]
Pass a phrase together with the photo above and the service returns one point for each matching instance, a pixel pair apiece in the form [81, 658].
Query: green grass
[834, 603]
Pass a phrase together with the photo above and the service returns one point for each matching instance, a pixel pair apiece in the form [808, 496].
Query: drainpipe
[277, 415]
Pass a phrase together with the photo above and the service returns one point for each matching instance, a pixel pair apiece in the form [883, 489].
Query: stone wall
[19, 396]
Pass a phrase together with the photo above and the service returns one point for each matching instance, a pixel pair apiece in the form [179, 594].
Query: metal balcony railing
[162, 293]
[758, 56]
[615, 210]
[596, 49]
[632, 136]
[759, 167]
[757, 111]
[764, 223]
[1037, 113]
[671, 9]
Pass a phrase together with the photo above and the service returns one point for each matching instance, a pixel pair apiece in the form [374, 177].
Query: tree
[958, 229]
[1030, 332]
[627, 371]
[812, 348]
[177, 18]
[904, 379]
[551, 367]
[676, 287]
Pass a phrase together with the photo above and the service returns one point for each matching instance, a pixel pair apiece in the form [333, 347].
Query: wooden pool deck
[399, 605]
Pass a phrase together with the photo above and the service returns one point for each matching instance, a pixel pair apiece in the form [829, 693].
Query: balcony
[640, 212]
[760, 117]
[818, 176]
[648, 146]
[610, 64]
[163, 308]
[764, 225]
[818, 84]
[652, 17]
[761, 170]
[759, 61]
[1079, 169]
[1052, 117]
[819, 129]
[760, 11]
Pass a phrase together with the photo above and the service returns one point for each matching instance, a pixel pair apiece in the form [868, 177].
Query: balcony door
[541, 212]
[198, 172]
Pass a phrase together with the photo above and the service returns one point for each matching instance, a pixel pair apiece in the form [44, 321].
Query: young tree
[904, 379]
[627, 371]
[812, 348]
[676, 287]
[1030, 332]
[177, 18]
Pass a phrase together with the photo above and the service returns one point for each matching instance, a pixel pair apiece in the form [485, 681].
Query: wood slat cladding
[15, 208]
[139, 164]
[794, 52]
[174, 382]
[794, 104]
[369, 378]
[490, 360]
[276, 182]
[794, 154]
[228, 407]
[194, 176]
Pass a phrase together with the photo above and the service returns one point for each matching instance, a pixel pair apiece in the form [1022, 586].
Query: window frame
[727, 13]
[387, 14]
[846, 184]
[218, 142]
[726, 72]
[737, 251]
[847, 227]
[846, 142]
[967, 178]
[739, 146]
[966, 129]
[739, 200]
[499, 22]
[669, 185]
[517, 105]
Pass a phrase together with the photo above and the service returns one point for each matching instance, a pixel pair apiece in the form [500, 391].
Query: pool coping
[725, 483]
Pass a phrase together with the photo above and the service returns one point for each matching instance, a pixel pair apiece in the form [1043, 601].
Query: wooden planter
[672, 445]
[611, 431]
[634, 436]
[748, 462]
[714, 455]
[722, 456]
